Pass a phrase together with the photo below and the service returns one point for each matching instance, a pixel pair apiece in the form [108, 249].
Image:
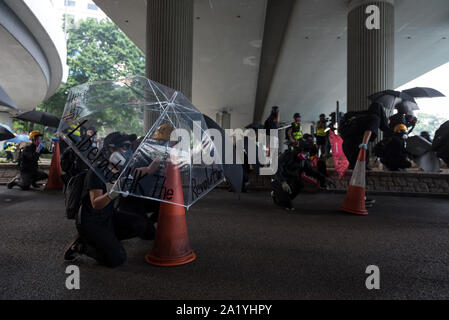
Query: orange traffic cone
[54, 176]
[355, 196]
[171, 247]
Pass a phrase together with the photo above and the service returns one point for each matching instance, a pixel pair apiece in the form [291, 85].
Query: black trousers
[353, 137]
[102, 233]
[29, 178]
[282, 198]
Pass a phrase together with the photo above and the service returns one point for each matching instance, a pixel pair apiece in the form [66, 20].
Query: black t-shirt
[93, 182]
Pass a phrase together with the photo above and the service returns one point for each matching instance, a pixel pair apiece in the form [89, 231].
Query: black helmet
[322, 115]
[297, 115]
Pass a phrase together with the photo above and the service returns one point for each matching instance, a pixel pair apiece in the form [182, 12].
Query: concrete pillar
[370, 52]
[170, 46]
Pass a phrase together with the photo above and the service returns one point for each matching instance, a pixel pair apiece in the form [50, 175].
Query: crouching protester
[28, 163]
[100, 226]
[288, 182]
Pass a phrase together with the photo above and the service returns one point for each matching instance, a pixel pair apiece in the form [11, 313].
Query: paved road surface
[246, 249]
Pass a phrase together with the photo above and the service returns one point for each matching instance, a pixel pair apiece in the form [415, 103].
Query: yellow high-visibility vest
[77, 132]
[321, 129]
[296, 131]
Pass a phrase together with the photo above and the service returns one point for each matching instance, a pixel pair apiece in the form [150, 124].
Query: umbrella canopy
[390, 98]
[6, 101]
[422, 92]
[175, 161]
[5, 132]
[40, 117]
[19, 138]
[232, 172]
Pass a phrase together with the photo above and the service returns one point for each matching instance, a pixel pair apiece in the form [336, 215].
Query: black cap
[322, 115]
[296, 115]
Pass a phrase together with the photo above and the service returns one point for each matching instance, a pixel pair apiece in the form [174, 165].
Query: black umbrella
[6, 101]
[389, 98]
[40, 117]
[5, 132]
[232, 172]
[422, 92]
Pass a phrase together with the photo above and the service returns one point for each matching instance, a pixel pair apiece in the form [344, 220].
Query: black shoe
[11, 184]
[35, 185]
[73, 251]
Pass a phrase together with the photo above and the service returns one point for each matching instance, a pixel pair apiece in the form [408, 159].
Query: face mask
[117, 159]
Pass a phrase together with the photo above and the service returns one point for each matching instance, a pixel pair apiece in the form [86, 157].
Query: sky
[437, 79]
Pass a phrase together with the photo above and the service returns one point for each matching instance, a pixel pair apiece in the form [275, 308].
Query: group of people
[10, 149]
[299, 164]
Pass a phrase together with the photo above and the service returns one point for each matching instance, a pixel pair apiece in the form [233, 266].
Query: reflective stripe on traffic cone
[171, 247]
[54, 181]
[355, 196]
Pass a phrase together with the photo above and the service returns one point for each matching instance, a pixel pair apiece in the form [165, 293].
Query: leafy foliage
[428, 122]
[95, 51]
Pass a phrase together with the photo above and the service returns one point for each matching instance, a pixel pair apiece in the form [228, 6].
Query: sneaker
[290, 209]
[73, 252]
[35, 185]
[371, 201]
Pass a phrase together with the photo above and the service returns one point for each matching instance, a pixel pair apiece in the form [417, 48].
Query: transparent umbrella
[177, 144]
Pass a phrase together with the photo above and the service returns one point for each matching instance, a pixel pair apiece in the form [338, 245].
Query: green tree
[96, 51]
[428, 122]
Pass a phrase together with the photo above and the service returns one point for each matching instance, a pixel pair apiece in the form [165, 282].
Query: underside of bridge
[251, 54]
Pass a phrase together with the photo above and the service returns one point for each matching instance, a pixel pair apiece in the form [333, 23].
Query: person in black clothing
[28, 163]
[272, 121]
[404, 116]
[373, 119]
[288, 182]
[100, 226]
[71, 163]
[395, 155]
[426, 135]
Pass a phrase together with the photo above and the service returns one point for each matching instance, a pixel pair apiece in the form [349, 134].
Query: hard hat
[34, 134]
[163, 132]
[400, 127]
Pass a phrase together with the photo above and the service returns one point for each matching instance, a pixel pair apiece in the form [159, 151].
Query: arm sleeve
[94, 182]
[313, 173]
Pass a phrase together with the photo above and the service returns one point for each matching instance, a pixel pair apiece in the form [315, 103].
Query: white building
[33, 54]
[76, 10]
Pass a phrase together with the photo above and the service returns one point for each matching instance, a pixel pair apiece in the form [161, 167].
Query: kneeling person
[288, 181]
[28, 163]
[100, 226]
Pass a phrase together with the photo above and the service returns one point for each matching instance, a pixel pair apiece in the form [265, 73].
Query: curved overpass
[32, 53]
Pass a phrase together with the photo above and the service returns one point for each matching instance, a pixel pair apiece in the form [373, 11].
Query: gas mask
[117, 159]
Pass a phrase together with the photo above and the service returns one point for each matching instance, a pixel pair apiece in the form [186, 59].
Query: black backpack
[74, 193]
[348, 118]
